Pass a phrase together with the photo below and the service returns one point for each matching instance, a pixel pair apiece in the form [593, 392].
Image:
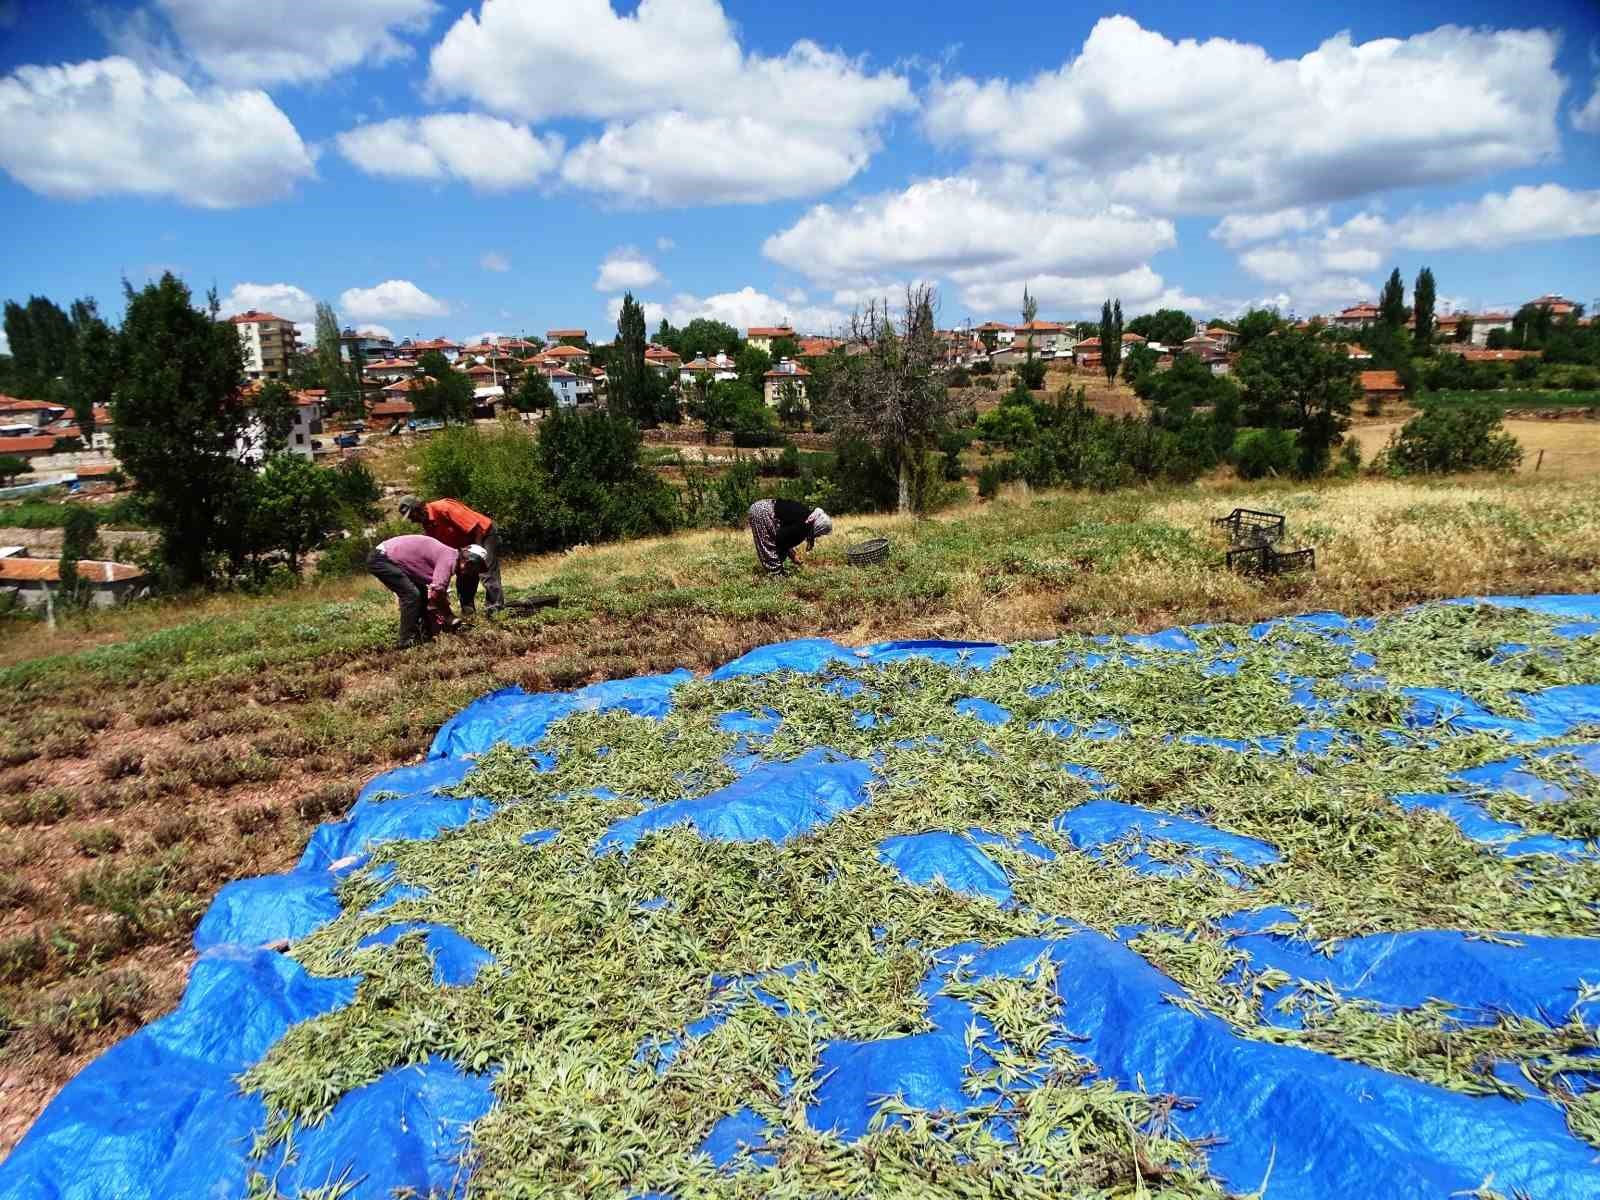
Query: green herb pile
[587, 975]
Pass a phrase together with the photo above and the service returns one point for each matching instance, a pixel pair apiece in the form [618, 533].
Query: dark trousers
[467, 584]
[413, 600]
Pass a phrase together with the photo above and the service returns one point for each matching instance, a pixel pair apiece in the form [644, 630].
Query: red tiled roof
[1133, 337]
[392, 408]
[1381, 381]
[252, 317]
[406, 385]
[1093, 342]
[555, 335]
[97, 471]
[993, 327]
[48, 570]
[436, 344]
[795, 371]
[27, 445]
[1480, 355]
[1491, 316]
[565, 352]
[392, 364]
[1042, 327]
[818, 347]
[1360, 310]
[10, 404]
[769, 331]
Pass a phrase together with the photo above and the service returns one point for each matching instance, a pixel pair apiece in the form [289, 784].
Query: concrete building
[787, 373]
[369, 343]
[34, 582]
[269, 342]
[762, 336]
[302, 434]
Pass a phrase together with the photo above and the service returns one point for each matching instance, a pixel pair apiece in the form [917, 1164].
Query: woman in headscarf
[779, 526]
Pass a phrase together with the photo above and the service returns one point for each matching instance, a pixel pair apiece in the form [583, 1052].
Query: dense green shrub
[1263, 452]
[1442, 440]
[989, 481]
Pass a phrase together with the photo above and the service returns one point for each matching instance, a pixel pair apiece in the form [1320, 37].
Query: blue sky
[432, 167]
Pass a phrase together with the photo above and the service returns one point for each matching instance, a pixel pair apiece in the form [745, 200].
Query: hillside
[152, 755]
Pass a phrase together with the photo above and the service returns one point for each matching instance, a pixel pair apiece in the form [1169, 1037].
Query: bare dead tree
[889, 393]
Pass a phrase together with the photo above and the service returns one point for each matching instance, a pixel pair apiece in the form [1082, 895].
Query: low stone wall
[1553, 414]
[690, 435]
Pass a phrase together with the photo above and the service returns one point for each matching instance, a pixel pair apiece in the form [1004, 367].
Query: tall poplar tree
[1422, 309]
[1111, 338]
[1392, 303]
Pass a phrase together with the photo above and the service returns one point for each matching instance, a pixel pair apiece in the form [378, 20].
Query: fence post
[1540, 463]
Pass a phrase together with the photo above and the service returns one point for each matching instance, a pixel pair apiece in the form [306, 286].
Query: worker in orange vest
[458, 526]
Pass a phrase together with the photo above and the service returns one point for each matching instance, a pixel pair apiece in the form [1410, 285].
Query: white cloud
[627, 269]
[1244, 228]
[112, 127]
[490, 154]
[1221, 125]
[1587, 118]
[394, 298]
[741, 309]
[280, 299]
[676, 158]
[691, 117]
[5, 342]
[279, 41]
[376, 330]
[493, 260]
[984, 236]
[1363, 243]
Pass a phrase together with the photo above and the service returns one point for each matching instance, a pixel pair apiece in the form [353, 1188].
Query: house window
[299, 439]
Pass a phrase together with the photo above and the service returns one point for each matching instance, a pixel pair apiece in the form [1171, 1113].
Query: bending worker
[417, 569]
[779, 526]
[458, 526]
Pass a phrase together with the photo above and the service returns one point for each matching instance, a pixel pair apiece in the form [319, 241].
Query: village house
[563, 357]
[1381, 387]
[787, 373]
[395, 408]
[1050, 338]
[1477, 354]
[1556, 306]
[33, 582]
[719, 367]
[1357, 316]
[997, 332]
[662, 361]
[36, 414]
[390, 370]
[269, 343]
[570, 389]
[307, 426]
[762, 336]
[367, 343]
[1225, 338]
[1483, 324]
[555, 336]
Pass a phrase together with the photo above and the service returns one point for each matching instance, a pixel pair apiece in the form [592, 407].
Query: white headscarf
[821, 523]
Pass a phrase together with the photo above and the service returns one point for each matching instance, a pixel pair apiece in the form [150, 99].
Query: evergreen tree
[1111, 339]
[178, 422]
[275, 409]
[77, 539]
[446, 392]
[330, 367]
[1422, 304]
[630, 393]
[90, 379]
[1392, 303]
[41, 346]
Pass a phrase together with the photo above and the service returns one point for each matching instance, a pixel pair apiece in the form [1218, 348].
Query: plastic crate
[1251, 526]
[1267, 560]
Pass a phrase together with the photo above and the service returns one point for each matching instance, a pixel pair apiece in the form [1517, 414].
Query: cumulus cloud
[394, 299]
[983, 236]
[1545, 212]
[1587, 118]
[1242, 229]
[627, 269]
[489, 154]
[278, 41]
[678, 158]
[691, 116]
[368, 327]
[113, 127]
[493, 260]
[1219, 125]
[741, 309]
[280, 299]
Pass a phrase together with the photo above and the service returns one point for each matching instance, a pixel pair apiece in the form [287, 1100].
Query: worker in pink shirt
[418, 570]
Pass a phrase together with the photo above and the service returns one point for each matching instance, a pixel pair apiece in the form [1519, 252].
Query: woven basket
[868, 553]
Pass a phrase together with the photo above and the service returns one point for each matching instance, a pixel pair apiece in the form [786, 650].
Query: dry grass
[1571, 448]
[212, 735]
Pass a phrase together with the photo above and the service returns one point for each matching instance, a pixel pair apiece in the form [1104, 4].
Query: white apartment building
[269, 343]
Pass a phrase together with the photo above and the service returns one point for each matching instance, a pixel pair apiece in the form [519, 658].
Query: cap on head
[476, 554]
[409, 505]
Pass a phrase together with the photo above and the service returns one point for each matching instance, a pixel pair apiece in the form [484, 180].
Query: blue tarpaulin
[161, 1114]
